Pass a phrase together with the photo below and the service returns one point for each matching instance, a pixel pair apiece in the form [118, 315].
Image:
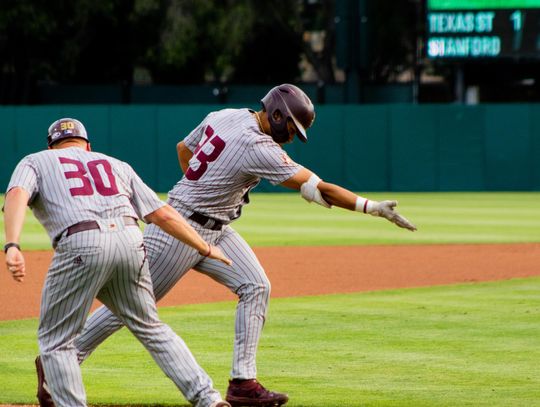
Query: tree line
[187, 41]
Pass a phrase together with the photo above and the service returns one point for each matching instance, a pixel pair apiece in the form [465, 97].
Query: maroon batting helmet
[293, 104]
[65, 128]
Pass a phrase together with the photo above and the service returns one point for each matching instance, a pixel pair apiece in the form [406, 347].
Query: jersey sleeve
[25, 176]
[193, 139]
[143, 199]
[266, 159]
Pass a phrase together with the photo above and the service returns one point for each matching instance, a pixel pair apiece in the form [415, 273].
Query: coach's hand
[216, 253]
[385, 209]
[15, 264]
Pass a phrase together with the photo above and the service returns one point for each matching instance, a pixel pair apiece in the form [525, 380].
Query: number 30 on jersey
[80, 173]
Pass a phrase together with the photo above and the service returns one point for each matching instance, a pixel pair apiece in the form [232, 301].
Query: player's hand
[15, 264]
[385, 209]
[216, 253]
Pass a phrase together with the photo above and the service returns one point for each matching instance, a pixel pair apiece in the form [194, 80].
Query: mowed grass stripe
[446, 217]
[460, 345]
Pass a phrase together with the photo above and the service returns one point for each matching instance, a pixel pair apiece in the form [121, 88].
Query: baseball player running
[223, 158]
[89, 204]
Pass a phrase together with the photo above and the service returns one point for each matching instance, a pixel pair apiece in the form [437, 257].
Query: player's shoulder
[228, 115]
[262, 140]
[116, 162]
[42, 153]
[99, 154]
[234, 123]
[37, 156]
[228, 111]
[38, 161]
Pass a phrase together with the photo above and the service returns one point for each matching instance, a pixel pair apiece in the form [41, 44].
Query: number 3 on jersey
[202, 157]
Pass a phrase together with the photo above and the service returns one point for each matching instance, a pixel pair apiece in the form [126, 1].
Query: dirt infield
[297, 271]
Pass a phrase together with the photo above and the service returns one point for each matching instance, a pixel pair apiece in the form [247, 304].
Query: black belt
[205, 221]
[90, 225]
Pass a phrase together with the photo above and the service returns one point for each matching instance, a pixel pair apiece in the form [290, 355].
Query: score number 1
[517, 20]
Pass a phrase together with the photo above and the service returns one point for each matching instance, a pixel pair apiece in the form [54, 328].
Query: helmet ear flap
[277, 116]
[278, 123]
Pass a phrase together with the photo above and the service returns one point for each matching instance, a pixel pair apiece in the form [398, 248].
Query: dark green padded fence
[362, 147]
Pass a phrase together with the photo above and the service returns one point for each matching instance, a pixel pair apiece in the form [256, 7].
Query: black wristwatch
[8, 245]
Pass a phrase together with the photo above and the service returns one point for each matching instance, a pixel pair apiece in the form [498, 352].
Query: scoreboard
[474, 29]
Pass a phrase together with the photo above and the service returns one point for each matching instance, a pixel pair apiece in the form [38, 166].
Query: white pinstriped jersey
[230, 156]
[71, 185]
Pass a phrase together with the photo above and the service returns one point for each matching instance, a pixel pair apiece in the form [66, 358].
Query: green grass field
[460, 345]
[286, 220]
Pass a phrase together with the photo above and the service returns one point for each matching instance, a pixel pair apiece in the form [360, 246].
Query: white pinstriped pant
[108, 264]
[170, 259]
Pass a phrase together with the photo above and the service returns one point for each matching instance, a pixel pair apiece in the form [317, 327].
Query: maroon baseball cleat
[250, 393]
[43, 395]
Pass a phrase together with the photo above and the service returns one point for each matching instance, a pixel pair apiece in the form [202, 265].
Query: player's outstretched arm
[14, 213]
[168, 219]
[313, 189]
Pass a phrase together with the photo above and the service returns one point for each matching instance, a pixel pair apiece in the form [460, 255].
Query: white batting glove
[385, 209]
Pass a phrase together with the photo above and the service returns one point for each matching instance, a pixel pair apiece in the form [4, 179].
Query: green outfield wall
[362, 147]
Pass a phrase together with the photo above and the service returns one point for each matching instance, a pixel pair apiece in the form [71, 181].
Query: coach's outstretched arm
[175, 225]
[313, 189]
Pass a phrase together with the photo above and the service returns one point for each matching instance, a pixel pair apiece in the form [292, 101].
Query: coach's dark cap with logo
[65, 128]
